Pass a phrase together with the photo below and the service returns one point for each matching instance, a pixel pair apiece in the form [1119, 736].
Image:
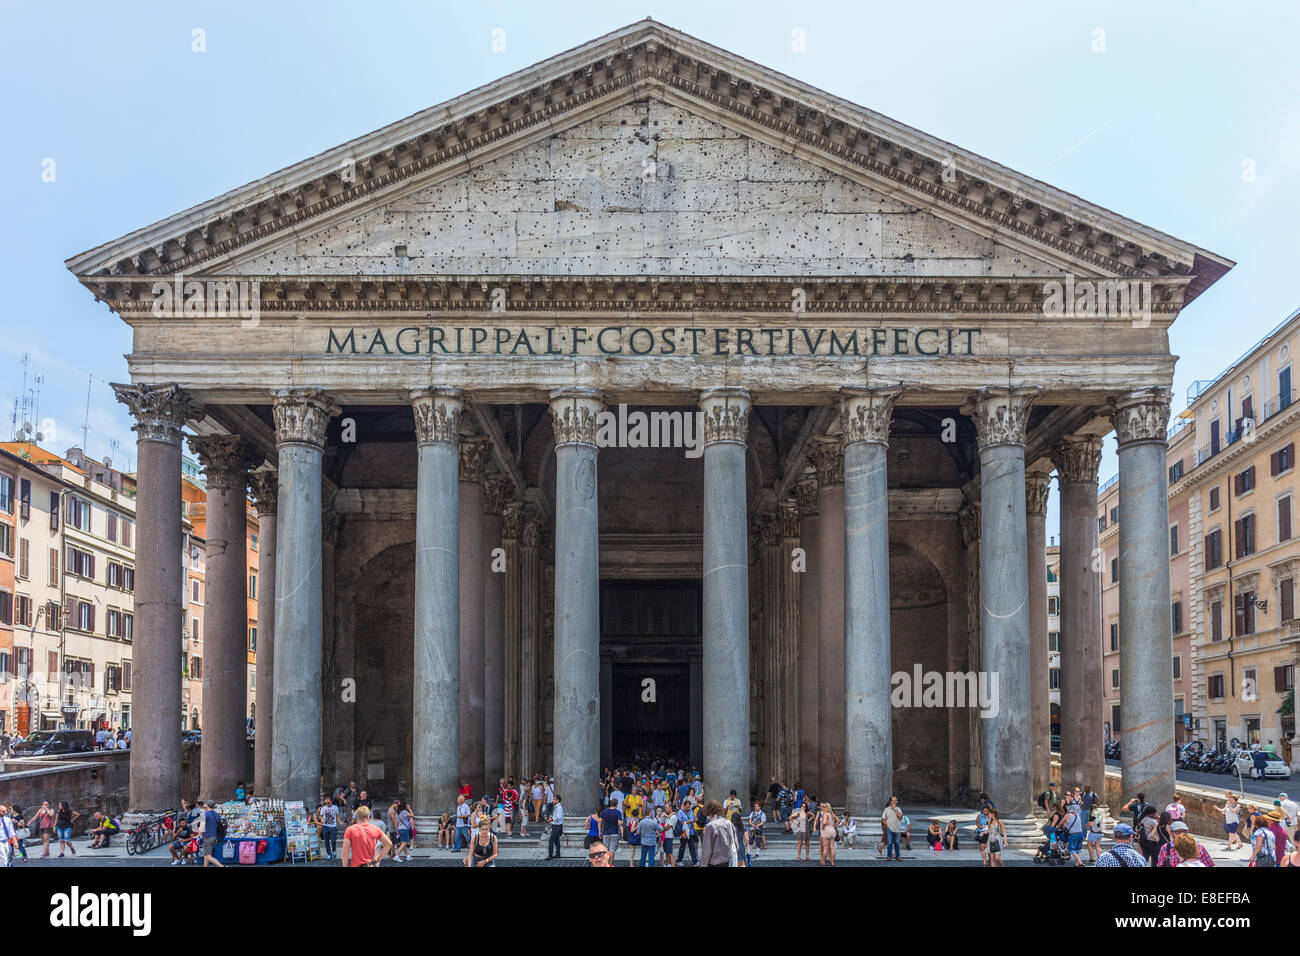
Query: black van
[45, 742]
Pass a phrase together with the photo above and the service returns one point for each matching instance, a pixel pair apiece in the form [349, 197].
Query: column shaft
[1145, 642]
[264, 494]
[725, 669]
[576, 721]
[301, 415]
[494, 675]
[829, 460]
[1040, 704]
[1000, 416]
[436, 672]
[868, 758]
[160, 412]
[224, 755]
[809, 636]
[473, 567]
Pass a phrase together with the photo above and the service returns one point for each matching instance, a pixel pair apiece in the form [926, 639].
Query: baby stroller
[1054, 852]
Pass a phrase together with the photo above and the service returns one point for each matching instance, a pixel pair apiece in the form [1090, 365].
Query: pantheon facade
[410, 347]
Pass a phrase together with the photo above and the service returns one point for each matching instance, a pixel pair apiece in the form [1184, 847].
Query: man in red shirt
[361, 839]
[507, 796]
[464, 790]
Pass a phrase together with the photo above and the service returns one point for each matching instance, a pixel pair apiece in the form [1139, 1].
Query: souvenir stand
[254, 831]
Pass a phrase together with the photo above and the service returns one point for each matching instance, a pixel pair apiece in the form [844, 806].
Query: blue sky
[1165, 126]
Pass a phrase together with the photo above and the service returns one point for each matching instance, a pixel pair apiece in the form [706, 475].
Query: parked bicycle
[150, 834]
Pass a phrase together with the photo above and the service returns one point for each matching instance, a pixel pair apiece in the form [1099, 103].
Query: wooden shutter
[1286, 598]
[24, 558]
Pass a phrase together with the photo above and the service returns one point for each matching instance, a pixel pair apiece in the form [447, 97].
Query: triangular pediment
[755, 174]
[645, 189]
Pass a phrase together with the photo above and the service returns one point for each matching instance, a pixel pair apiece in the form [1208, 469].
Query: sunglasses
[598, 853]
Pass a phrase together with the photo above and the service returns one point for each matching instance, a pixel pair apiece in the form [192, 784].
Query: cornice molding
[290, 296]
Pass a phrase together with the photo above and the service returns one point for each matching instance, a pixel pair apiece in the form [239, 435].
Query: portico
[653, 222]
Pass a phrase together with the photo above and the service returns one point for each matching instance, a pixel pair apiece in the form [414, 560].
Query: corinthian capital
[301, 416]
[224, 460]
[1001, 414]
[475, 453]
[969, 516]
[827, 457]
[497, 491]
[574, 412]
[1077, 458]
[1141, 416]
[438, 413]
[807, 498]
[865, 414]
[265, 487]
[160, 410]
[726, 415]
[1038, 484]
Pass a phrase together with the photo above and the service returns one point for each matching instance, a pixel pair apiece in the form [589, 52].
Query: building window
[1114, 677]
[252, 585]
[1246, 612]
[1173, 539]
[111, 529]
[1054, 678]
[195, 555]
[195, 592]
[126, 537]
[1245, 533]
[1176, 471]
[1213, 550]
[24, 558]
[194, 630]
[1282, 460]
[1214, 499]
[1054, 641]
[1216, 621]
[196, 668]
[1114, 570]
[1244, 481]
[1114, 515]
[1176, 618]
[6, 494]
[253, 541]
[80, 563]
[77, 513]
[126, 675]
[1101, 524]
[1214, 687]
[1114, 635]
[6, 540]
[1284, 519]
[252, 639]
[23, 610]
[1178, 667]
[1286, 598]
[6, 607]
[1053, 606]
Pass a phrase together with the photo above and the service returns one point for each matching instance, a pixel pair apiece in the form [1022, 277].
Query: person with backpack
[1138, 807]
[1094, 837]
[1263, 842]
[213, 829]
[1122, 853]
[1074, 829]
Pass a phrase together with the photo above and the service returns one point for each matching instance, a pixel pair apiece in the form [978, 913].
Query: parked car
[44, 743]
[1274, 766]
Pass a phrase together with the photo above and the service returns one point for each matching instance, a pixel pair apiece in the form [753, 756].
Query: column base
[1023, 833]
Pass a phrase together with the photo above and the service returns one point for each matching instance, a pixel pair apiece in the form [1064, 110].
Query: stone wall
[90, 782]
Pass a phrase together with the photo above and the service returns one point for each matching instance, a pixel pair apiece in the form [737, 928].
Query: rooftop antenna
[85, 423]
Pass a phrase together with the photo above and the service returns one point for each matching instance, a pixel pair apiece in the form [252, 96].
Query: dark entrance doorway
[650, 649]
[651, 710]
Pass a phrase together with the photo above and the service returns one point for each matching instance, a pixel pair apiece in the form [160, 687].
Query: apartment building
[1054, 639]
[72, 593]
[8, 575]
[1238, 482]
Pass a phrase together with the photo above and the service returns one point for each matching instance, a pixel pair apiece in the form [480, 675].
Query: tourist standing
[44, 822]
[8, 837]
[650, 835]
[1074, 832]
[403, 825]
[557, 829]
[718, 844]
[997, 838]
[64, 818]
[1094, 836]
[611, 826]
[1231, 819]
[826, 823]
[757, 820]
[364, 844]
[210, 831]
[20, 831]
[891, 822]
[685, 829]
[799, 824]
[328, 815]
[667, 825]
[462, 822]
[537, 799]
